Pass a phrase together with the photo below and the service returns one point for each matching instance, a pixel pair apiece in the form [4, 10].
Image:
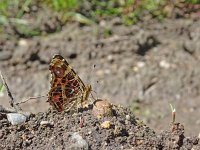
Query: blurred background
[143, 54]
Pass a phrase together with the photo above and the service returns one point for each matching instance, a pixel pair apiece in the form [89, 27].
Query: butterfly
[67, 89]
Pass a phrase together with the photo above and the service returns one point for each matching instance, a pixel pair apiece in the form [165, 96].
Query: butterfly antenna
[93, 95]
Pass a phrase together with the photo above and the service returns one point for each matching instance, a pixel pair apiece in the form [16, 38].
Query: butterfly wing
[66, 86]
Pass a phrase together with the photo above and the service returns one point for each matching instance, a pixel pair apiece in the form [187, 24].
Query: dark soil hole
[147, 45]
[34, 57]
[73, 56]
[124, 132]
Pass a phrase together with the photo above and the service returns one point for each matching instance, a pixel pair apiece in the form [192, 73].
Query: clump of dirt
[83, 130]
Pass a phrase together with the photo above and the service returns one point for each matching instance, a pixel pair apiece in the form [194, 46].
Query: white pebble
[16, 118]
[164, 64]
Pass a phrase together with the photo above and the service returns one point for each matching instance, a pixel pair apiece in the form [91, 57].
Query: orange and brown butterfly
[67, 89]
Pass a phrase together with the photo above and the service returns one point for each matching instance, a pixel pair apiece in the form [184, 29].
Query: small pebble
[140, 64]
[107, 71]
[128, 117]
[164, 64]
[16, 118]
[22, 42]
[46, 123]
[110, 58]
[100, 73]
[79, 142]
[5, 55]
[105, 125]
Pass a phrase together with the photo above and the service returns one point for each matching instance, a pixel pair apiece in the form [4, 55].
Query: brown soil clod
[102, 108]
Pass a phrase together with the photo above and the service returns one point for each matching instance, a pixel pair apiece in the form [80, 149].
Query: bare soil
[125, 132]
[145, 67]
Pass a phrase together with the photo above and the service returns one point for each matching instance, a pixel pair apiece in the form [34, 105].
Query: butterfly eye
[59, 72]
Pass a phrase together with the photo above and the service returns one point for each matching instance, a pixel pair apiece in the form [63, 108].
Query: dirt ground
[52, 130]
[145, 67]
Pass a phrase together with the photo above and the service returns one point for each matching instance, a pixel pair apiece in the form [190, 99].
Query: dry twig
[28, 99]
[12, 101]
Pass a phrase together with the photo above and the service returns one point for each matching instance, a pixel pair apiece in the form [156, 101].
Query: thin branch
[28, 99]
[12, 101]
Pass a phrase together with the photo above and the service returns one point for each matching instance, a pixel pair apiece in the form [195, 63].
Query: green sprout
[173, 110]
[1, 88]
